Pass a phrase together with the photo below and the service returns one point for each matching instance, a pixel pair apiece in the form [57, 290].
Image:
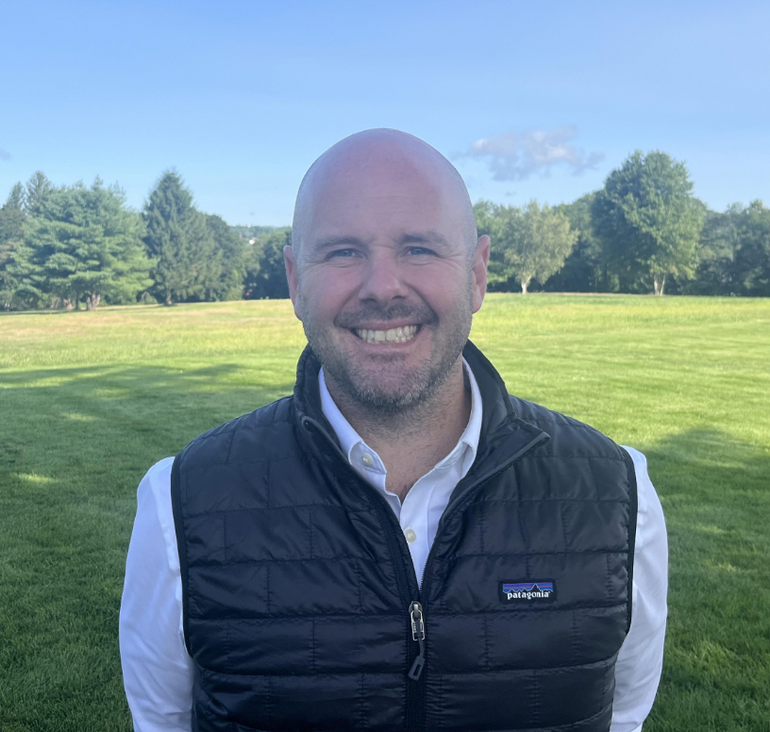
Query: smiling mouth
[393, 335]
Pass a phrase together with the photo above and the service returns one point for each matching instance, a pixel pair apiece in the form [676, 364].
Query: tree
[716, 273]
[84, 244]
[11, 232]
[585, 269]
[752, 261]
[180, 242]
[266, 274]
[36, 193]
[230, 258]
[648, 219]
[490, 220]
[536, 241]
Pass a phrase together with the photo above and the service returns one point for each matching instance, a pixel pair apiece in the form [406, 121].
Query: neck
[412, 441]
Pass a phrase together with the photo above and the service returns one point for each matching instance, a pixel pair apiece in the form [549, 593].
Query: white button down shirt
[421, 510]
[158, 672]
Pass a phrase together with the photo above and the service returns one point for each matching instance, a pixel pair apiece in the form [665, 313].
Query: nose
[383, 279]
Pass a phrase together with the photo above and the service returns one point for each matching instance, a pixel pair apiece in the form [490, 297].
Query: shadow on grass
[94, 431]
[715, 492]
[74, 443]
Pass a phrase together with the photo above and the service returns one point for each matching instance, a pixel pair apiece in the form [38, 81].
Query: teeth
[394, 335]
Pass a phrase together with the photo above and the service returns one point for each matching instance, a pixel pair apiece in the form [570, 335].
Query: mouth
[402, 334]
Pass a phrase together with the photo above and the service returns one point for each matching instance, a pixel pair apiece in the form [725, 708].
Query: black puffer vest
[302, 610]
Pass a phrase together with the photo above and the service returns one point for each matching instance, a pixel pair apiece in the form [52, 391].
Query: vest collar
[504, 436]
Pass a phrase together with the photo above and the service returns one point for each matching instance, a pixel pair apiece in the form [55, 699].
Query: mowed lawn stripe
[90, 400]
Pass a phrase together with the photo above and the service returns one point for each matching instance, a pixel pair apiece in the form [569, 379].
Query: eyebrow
[331, 242]
[431, 236]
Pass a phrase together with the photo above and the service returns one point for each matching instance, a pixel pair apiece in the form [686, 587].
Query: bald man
[400, 544]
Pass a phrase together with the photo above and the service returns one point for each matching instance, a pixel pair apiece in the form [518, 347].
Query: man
[398, 545]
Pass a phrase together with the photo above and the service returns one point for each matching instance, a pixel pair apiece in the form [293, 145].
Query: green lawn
[88, 401]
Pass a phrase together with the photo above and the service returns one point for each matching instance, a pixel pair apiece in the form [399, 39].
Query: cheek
[323, 294]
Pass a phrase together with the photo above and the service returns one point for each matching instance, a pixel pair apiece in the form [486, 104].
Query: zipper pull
[417, 621]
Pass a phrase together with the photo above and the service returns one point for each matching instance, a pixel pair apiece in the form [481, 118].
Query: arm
[157, 671]
[640, 661]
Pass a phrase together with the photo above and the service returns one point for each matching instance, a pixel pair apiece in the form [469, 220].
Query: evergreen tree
[11, 232]
[265, 272]
[83, 244]
[230, 259]
[180, 242]
[36, 193]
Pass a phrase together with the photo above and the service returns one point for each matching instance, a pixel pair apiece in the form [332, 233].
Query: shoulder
[569, 436]
[235, 440]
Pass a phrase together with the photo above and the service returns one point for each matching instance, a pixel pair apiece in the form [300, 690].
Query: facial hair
[370, 388]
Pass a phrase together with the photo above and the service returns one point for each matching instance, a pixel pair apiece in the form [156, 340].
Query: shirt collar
[466, 448]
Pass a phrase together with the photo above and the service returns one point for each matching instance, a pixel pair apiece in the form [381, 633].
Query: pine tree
[83, 244]
[11, 231]
[179, 241]
[229, 254]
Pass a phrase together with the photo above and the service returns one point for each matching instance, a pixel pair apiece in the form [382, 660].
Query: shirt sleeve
[157, 670]
[640, 661]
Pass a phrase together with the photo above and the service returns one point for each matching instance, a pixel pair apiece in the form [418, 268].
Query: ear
[293, 278]
[479, 271]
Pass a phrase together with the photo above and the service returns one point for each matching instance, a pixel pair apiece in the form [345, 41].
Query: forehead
[381, 196]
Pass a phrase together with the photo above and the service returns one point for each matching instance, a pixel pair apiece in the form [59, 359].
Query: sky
[528, 100]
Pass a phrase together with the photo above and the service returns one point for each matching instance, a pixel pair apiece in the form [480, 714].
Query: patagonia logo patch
[527, 591]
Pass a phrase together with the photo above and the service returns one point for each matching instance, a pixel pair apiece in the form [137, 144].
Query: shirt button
[410, 535]
[366, 459]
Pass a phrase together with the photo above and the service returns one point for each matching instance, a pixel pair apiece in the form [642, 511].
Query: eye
[342, 254]
[417, 251]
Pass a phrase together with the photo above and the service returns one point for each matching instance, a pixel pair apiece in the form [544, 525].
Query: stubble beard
[387, 390]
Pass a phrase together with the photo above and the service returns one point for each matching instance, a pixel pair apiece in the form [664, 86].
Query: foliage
[266, 273]
[230, 257]
[718, 247]
[639, 233]
[180, 242]
[82, 244]
[36, 193]
[753, 257]
[529, 243]
[649, 220]
[11, 235]
[490, 220]
[585, 269]
[534, 242]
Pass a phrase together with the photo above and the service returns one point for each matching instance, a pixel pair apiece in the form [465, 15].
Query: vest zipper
[407, 590]
[415, 693]
[418, 721]
[418, 634]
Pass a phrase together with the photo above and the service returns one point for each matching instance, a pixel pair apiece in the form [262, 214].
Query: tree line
[75, 246]
[643, 232]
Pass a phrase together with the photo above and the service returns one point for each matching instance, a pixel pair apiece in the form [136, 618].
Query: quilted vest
[302, 610]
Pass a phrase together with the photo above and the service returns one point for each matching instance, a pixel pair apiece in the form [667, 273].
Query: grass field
[88, 401]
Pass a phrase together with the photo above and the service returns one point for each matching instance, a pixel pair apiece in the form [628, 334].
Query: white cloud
[4, 154]
[517, 155]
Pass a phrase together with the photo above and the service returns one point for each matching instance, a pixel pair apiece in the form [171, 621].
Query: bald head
[381, 162]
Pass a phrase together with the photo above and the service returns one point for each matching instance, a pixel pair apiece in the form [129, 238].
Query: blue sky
[529, 100]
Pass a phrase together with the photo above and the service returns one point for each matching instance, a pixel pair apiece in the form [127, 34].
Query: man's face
[385, 285]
